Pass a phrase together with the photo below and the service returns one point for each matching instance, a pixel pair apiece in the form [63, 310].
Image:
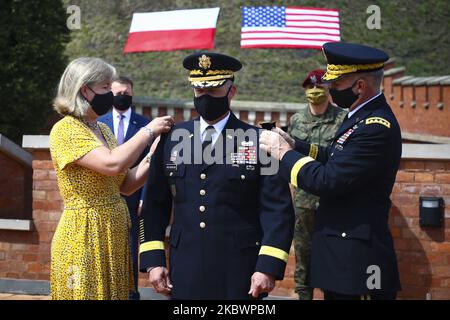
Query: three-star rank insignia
[204, 62]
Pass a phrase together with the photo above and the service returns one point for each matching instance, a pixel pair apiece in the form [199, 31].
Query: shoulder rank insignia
[378, 120]
[204, 62]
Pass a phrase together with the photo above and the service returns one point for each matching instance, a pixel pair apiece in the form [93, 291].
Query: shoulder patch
[378, 120]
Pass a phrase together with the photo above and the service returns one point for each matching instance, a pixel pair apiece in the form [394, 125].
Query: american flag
[288, 27]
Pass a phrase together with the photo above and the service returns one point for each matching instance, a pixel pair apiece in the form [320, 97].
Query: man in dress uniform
[125, 123]
[352, 253]
[232, 227]
[317, 123]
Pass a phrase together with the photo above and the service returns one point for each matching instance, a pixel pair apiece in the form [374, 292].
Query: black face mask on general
[212, 108]
[122, 102]
[344, 98]
[101, 103]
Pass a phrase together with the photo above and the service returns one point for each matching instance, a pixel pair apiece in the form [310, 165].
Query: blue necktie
[120, 130]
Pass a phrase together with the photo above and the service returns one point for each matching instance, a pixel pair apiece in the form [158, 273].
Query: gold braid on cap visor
[207, 84]
[336, 70]
[210, 75]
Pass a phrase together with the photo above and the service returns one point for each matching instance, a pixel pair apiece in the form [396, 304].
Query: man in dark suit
[125, 123]
[232, 225]
[352, 253]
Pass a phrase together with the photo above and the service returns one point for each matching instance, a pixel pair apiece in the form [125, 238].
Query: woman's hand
[161, 125]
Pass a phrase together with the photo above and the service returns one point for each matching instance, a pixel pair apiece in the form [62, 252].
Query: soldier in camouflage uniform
[316, 124]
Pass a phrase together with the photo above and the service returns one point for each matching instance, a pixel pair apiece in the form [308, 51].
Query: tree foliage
[33, 35]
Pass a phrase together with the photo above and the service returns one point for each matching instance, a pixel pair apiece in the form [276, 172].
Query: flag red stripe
[291, 32]
[297, 20]
[280, 46]
[167, 40]
[285, 38]
[311, 8]
[331, 28]
[311, 14]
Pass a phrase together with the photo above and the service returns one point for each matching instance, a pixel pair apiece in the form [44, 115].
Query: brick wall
[421, 104]
[423, 253]
[26, 254]
[15, 186]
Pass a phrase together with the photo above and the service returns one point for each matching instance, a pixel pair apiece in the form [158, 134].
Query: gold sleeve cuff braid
[274, 252]
[313, 150]
[150, 246]
[296, 168]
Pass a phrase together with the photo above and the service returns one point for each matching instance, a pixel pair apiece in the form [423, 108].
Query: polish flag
[172, 30]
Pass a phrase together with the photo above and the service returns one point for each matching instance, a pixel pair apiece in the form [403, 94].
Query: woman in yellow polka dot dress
[90, 249]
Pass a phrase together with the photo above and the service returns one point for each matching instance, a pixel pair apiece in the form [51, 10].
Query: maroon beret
[313, 78]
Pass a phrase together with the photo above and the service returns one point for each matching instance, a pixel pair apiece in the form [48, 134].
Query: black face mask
[344, 98]
[101, 103]
[122, 102]
[212, 108]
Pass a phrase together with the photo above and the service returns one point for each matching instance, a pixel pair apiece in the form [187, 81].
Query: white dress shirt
[217, 126]
[126, 121]
[350, 113]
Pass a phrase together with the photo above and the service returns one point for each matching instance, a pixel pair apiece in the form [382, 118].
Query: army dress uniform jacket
[354, 178]
[228, 221]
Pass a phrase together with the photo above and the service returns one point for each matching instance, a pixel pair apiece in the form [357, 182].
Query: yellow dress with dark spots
[90, 248]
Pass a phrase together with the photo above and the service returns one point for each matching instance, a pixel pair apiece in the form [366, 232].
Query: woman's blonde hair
[80, 72]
